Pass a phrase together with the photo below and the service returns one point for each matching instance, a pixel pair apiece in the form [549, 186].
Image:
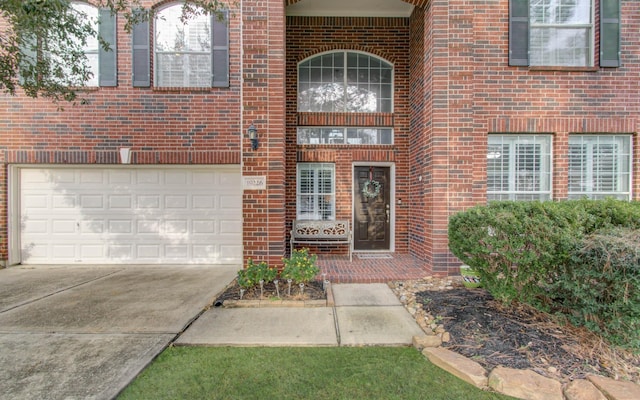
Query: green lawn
[297, 373]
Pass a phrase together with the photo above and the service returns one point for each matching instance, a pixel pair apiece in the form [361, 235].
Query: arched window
[345, 81]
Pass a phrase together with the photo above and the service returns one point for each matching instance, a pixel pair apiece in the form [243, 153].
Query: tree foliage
[42, 42]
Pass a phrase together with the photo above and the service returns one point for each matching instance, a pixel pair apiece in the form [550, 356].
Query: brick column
[263, 105]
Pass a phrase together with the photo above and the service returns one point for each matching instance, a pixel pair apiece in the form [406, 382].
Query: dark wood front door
[372, 210]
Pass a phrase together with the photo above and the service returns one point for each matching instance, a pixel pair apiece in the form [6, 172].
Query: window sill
[182, 89]
[85, 88]
[564, 69]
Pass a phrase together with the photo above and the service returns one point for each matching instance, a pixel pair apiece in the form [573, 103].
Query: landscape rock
[616, 390]
[421, 342]
[582, 389]
[524, 384]
[457, 365]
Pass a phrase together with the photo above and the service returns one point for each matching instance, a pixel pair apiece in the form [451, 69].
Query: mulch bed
[492, 334]
[312, 291]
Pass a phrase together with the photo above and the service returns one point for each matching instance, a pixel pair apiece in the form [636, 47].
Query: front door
[372, 208]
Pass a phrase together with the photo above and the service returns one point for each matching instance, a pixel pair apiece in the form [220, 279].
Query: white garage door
[131, 215]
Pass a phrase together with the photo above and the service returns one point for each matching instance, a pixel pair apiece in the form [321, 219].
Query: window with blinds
[519, 167]
[316, 191]
[599, 166]
[561, 32]
[182, 49]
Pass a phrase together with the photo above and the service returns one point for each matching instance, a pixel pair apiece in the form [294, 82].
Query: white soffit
[350, 8]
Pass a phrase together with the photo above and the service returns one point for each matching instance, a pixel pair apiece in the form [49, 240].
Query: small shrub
[600, 286]
[254, 273]
[300, 267]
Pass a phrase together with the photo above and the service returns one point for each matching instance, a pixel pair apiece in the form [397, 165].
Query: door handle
[388, 213]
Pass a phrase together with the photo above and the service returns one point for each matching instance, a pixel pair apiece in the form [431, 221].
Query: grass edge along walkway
[298, 373]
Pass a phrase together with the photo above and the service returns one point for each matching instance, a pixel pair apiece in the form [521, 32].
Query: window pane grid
[323, 85]
[561, 33]
[182, 51]
[316, 191]
[599, 166]
[519, 167]
[343, 135]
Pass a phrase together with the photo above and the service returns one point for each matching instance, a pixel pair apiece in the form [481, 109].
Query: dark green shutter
[518, 32]
[107, 58]
[220, 50]
[140, 47]
[609, 33]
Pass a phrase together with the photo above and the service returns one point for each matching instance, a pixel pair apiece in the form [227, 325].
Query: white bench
[322, 233]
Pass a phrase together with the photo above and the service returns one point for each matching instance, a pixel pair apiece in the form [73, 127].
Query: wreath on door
[371, 189]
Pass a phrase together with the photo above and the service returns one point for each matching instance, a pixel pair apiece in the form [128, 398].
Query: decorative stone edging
[523, 384]
[328, 302]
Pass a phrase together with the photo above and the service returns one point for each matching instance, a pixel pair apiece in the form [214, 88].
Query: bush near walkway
[558, 256]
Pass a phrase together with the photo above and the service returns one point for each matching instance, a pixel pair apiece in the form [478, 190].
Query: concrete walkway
[70, 332]
[363, 315]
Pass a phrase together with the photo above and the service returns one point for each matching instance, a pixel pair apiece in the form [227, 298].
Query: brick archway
[417, 3]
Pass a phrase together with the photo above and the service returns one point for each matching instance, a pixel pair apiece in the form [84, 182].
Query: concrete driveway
[80, 332]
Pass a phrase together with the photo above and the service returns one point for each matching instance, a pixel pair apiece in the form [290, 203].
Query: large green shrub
[580, 258]
[600, 285]
[514, 246]
[518, 247]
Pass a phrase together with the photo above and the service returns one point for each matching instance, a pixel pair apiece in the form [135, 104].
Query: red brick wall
[475, 92]
[263, 105]
[172, 126]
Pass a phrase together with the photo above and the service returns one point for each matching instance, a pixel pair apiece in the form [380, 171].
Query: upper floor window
[91, 46]
[190, 50]
[345, 81]
[599, 166]
[519, 167]
[182, 49]
[560, 33]
[344, 135]
[78, 59]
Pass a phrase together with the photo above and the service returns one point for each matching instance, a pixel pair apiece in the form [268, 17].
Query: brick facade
[453, 87]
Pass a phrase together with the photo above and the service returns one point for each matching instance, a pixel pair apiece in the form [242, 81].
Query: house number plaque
[254, 182]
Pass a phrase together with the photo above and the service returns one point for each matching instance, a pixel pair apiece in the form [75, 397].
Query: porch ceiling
[349, 8]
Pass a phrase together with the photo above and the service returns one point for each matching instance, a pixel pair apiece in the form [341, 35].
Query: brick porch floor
[375, 270]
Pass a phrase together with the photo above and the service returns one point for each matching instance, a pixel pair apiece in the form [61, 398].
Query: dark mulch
[521, 337]
[312, 291]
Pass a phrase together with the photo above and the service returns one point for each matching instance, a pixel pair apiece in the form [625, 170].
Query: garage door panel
[137, 215]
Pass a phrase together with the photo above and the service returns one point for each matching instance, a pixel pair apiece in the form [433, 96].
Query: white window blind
[182, 50]
[519, 167]
[561, 32]
[599, 166]
[316, 191]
